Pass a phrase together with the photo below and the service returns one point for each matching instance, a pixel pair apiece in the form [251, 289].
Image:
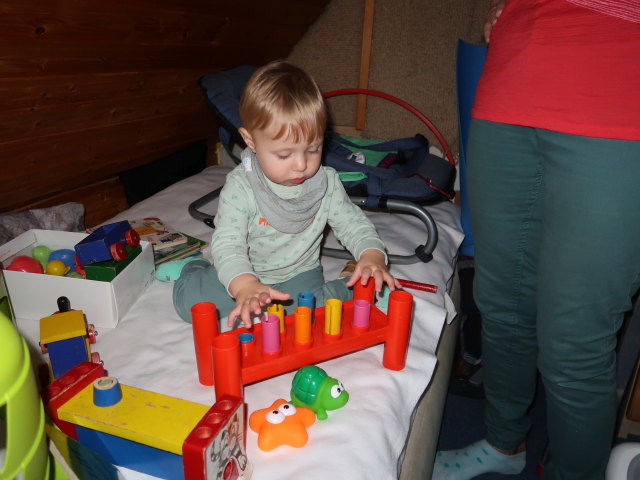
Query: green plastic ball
[41, 254]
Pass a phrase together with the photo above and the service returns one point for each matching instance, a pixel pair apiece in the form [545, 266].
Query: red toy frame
[248, 364]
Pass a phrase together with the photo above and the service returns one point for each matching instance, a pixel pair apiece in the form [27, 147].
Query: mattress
[152, 349]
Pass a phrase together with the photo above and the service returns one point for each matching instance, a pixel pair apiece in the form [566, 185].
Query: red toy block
[66, 387]
[218, 443]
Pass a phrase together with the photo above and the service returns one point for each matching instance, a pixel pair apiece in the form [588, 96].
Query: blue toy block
[133, 455]
[66, 354]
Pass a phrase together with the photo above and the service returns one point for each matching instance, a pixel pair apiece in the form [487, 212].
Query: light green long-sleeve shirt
[243, 241]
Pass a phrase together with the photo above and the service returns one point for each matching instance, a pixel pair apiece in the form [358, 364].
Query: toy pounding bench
[280, 344]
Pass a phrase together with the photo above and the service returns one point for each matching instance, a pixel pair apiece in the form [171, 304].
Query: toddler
[274, 207]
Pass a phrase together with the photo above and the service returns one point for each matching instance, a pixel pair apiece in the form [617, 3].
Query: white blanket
[152, 349]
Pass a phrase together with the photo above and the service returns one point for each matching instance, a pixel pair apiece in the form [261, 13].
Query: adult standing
[553, 172]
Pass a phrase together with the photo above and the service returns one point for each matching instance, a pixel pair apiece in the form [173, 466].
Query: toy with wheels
[106, 243]
[67, 337]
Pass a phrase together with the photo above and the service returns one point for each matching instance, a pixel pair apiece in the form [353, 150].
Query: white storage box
[34, 295]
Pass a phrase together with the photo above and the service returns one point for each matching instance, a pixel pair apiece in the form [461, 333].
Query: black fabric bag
[407, 171]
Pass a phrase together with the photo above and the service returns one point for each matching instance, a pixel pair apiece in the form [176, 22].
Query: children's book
[192, 247]
[158, 233]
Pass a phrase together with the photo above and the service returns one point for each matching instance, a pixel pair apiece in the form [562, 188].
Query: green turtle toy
[314, 389]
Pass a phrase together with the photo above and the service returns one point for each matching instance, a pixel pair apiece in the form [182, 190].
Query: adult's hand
[497, 6]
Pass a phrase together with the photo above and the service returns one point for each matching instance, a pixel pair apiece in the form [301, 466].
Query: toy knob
[106, 391]
[64, 305]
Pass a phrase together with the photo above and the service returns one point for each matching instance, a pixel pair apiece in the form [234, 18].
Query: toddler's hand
[371, 265]
[251, 295]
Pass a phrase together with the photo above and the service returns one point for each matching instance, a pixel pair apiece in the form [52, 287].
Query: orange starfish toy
[281, 424]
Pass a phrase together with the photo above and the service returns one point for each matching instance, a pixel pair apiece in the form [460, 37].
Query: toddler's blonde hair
[286, 95]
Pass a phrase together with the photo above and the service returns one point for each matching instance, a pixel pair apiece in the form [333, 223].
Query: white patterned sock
[475, 459]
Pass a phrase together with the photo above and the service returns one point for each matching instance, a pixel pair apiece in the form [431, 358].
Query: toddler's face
[284, 161]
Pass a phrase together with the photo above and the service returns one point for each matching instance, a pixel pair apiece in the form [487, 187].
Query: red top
[555, 65]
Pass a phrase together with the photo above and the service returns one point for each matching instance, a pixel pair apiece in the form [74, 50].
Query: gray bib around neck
[291, 215]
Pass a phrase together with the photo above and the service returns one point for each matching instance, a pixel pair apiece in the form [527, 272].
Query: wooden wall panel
[121, 107]
[90, 88]
[58, 162]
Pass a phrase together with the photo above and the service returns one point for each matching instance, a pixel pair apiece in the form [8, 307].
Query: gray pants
[199, 282]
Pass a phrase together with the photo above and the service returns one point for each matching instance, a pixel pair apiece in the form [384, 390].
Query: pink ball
[24, 263]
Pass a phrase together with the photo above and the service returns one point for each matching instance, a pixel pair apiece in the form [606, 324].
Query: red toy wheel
[43, 348]
[91, 333]
[118, 252]
[132, 237]
[95, 357]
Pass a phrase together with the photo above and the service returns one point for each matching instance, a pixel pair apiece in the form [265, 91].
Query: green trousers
[199, 282]
[556, 225]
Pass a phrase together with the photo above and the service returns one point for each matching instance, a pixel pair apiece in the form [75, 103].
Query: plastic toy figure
[314, 389]
[281, 424]
[106, 243]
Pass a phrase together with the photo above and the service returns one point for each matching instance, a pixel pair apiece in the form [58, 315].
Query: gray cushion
[67, 217]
